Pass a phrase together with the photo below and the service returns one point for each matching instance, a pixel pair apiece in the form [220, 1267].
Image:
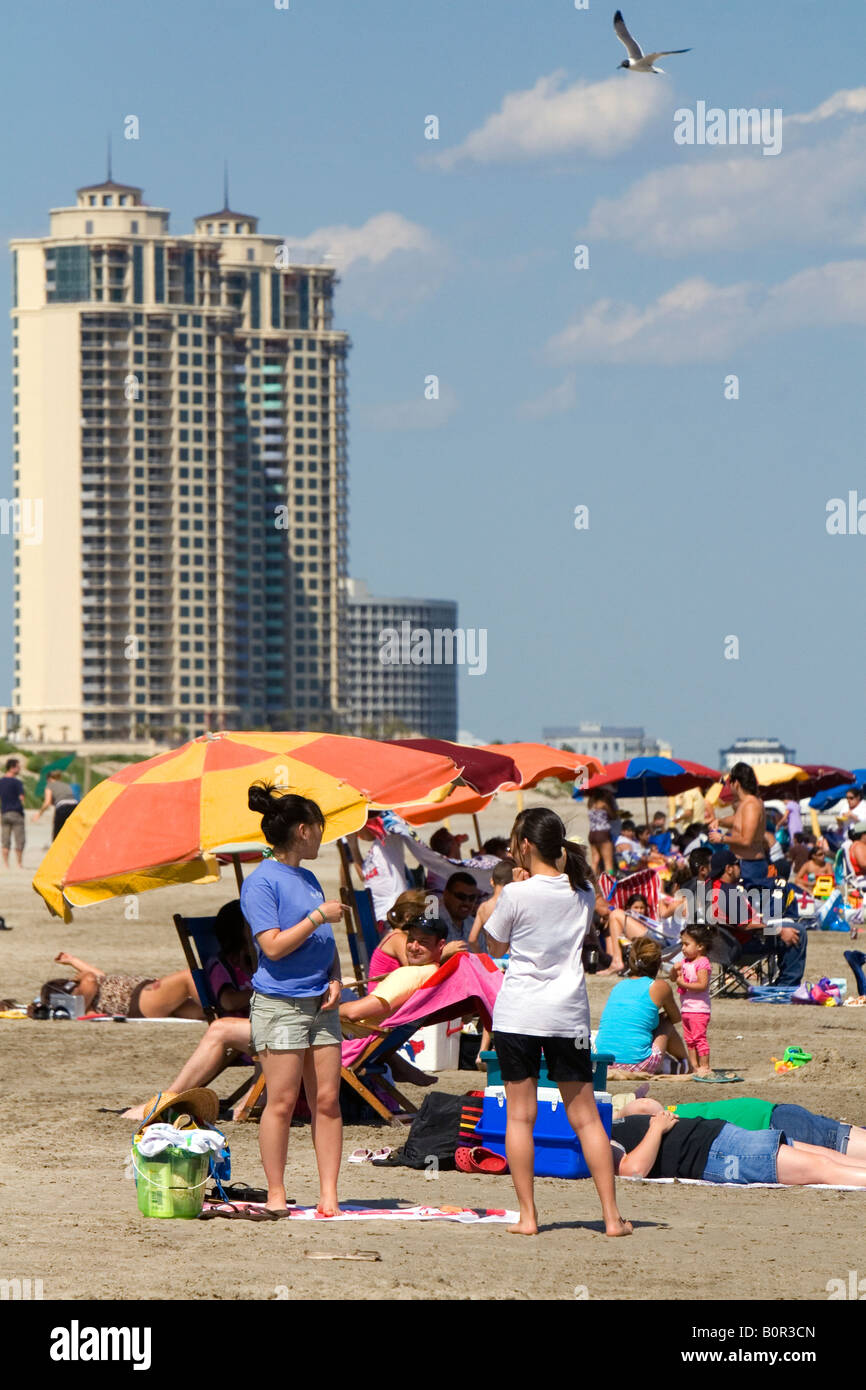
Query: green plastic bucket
[170, 1184]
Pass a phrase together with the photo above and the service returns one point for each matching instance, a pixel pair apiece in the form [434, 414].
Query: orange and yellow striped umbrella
[161, 821]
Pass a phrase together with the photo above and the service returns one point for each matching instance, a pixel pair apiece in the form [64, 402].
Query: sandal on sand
[360, 1156]
[719, 1078]
[480, 1160]
[381, 1155]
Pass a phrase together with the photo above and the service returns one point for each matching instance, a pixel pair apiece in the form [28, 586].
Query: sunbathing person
[638, 1023]
[748, 1112]
[391, 950]
[664, 1146]
[230, 974]
[131, 996]
[426, 950]
[635, 920]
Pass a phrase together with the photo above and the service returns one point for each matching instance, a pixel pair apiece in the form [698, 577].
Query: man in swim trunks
[744, 831]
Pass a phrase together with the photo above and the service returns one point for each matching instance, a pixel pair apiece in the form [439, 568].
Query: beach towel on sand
[465, 984]
[356, 1211]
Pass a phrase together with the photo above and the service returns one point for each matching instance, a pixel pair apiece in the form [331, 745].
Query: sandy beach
[70, 1215]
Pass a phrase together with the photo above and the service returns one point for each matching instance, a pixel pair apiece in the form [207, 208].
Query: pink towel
[464, 984]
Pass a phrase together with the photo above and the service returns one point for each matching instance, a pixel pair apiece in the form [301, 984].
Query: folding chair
[727, 952]
[361, 928]
[199, 944]
[372, 1062]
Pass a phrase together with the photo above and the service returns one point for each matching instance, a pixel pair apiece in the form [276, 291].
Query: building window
[159, 274]
[88, 228]
[133, 227]
[224, 227]
[138, 274]
[72, 275]
[251, 255]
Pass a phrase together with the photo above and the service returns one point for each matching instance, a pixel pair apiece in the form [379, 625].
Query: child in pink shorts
[692, 978]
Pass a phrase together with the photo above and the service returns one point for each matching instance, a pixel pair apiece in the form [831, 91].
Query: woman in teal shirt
[638, 1024]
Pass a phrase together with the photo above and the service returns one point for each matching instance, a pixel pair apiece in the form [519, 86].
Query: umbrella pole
[477, 833]
[645, 807]
[239, 873]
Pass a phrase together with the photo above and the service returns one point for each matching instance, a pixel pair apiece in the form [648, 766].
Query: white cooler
[439, 1048]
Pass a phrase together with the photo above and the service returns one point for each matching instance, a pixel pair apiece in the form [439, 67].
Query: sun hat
[858, 829]
[200, 1102]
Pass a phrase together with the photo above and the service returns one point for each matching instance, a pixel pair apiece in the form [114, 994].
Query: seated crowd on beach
[536, 899]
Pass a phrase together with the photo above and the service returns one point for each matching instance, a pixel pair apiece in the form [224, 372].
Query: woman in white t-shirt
[541, 921]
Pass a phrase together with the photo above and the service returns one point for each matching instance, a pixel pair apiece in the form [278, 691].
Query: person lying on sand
[664, 1146]
[748, 1112]
[133, 996]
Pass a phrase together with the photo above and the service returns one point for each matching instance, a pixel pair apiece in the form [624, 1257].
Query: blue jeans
[808, 1128]
[792, 959]
[856, 960]
[743, 1155]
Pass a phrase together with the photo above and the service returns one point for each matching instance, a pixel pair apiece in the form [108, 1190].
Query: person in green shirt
[748, 1112]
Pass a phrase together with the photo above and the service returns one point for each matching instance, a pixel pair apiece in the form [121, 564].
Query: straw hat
[200, 1102]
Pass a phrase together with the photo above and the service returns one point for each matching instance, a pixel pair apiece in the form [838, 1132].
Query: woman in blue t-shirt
[294, 1016]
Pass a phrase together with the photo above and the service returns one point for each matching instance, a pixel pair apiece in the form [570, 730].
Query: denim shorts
[292, 1025]
[802, 1125]
[743, 1155]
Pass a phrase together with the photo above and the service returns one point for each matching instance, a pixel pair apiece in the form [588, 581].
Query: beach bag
[434, 1135]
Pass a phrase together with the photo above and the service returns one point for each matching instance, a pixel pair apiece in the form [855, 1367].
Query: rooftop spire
[109, 177]
[226, 183]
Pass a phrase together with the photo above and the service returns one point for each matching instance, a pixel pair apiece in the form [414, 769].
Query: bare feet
[526, 1226]
[618, 1227]
[135, 1112]
[328, 1209]
[702, 1071]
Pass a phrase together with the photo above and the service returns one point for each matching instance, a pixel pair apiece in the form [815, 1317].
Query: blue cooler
[557, 1151]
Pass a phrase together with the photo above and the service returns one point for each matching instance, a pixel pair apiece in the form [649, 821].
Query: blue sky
[558, 387]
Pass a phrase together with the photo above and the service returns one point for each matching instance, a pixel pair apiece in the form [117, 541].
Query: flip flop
[360, 1156]
[719, 1078]
[381, 1155]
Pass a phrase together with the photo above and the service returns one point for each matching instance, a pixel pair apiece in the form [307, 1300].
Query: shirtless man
[744, 831]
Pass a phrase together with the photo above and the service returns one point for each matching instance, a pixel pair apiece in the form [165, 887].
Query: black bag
[434, 1135]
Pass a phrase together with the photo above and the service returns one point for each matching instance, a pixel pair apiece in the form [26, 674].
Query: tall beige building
[180, 469]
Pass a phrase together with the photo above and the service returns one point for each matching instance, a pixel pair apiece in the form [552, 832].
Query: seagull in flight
[637, 60]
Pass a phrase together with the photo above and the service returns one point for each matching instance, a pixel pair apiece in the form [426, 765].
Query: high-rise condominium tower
[180, 468]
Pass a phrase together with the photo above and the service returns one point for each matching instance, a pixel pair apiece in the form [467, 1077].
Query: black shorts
[520, 1057]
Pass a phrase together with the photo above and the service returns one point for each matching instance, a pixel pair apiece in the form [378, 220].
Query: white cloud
[596, 118]
[390, 264]
[558, 398]
[849, 102]
[813, 195]
[374, 241]
[417, 414]
[697, 321]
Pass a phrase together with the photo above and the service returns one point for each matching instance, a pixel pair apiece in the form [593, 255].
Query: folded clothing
[155, 1139]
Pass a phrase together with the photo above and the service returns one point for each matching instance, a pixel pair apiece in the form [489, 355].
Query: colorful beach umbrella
[535, 761]
[484, 770]
[652, 777]
[164, 820]
[823, 800]
[460, 801]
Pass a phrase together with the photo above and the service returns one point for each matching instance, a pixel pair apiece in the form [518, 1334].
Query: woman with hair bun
[293, 1014]
[541, 919]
